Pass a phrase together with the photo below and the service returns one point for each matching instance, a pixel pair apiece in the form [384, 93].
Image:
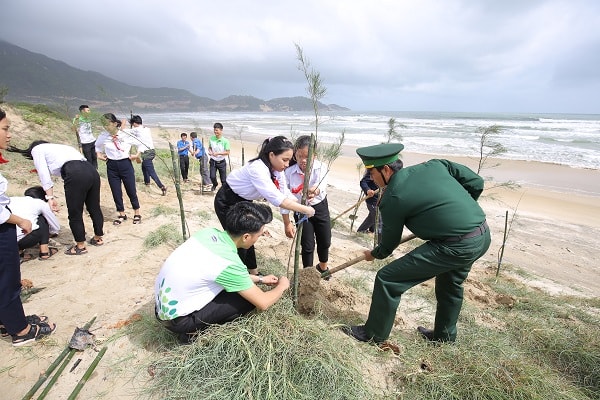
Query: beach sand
[555, 223]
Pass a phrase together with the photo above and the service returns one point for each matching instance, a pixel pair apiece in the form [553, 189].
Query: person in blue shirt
[184, 147]
[201, 155]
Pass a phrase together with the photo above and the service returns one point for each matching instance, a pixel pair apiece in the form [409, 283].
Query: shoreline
[546, 190]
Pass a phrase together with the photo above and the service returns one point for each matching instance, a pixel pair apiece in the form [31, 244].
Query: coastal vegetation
[516, 342]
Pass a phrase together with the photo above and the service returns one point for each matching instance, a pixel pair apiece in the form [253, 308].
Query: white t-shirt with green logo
[196, 272]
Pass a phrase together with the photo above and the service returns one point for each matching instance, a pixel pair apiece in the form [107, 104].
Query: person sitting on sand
[44, 223]
[437, 201]
[192, 296]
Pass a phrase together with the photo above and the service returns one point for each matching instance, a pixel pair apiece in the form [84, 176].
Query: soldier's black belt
[480, 230]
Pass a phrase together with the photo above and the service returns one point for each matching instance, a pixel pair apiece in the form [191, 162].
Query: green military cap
[380, 154]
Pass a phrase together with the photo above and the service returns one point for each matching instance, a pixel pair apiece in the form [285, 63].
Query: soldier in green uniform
[437, 201]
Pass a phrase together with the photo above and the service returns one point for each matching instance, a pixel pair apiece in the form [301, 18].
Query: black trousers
[184, 166]
[220, 166]
[118, 171]
[12, 315]
[82, 187]
[39, 236]
[317, 228]
[224, 200]
[149, 172]
[89, 152]
[224, 308]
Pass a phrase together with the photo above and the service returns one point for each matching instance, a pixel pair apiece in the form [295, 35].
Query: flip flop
[120, 219]
[96, 242]
[46, 255]
[75, 251]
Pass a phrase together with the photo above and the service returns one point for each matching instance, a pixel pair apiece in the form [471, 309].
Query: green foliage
[270, 355]
[3, 93]
[392, 133]
[488, 147]
[164, 234]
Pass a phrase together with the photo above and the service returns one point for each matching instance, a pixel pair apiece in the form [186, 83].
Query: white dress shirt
[49, 158]
[31, 208]
[253, 182]
[118, 148]
[4, 200]
[318, 177]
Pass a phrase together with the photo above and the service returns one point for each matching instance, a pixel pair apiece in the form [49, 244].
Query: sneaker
[36, 331]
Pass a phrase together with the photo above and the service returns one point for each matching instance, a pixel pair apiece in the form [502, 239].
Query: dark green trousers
[449, 263]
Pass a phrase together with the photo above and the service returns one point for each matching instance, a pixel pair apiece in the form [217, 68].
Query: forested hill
[35, 78]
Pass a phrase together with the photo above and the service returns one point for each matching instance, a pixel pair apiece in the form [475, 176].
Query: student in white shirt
[43, 222]
[114, 146]
[317, 227]
[81, 184]
[13, 321]
[262, 177]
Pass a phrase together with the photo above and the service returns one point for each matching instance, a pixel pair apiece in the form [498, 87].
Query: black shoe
[426, 333]
[320, 271]
[214, 187]
[358, 332]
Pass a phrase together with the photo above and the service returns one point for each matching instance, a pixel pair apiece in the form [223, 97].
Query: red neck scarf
[2, 159]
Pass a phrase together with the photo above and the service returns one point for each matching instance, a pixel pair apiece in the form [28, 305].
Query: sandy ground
[555, 223]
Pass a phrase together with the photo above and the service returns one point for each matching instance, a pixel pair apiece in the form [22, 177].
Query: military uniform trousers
[448, 262]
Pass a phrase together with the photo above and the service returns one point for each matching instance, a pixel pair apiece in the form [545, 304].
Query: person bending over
[191, 297]
[437, 201]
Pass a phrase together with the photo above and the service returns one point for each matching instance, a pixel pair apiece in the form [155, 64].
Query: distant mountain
[35, 78]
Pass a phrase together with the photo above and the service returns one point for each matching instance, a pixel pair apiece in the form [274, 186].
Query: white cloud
[429, 55]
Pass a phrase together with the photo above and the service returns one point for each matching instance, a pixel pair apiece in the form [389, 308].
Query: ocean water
[568, 139]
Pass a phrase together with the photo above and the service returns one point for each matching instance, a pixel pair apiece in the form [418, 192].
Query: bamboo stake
[87, 374]
[356, 260]
[52, 366]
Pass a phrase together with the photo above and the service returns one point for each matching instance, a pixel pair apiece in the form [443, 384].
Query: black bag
[149, 154]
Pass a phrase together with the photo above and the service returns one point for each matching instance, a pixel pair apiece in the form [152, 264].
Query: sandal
[24, 257]
[137, 219]
[120, 219]
[36, 331]
[75, 251]
[46, 255]
[31, 319]
[96, 242]
[323, 270]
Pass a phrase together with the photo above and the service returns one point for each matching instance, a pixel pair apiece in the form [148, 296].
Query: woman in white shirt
[114, 146]
[317, 227]
[81, 183]
[43, 222]
[13, 321]
[262, 177]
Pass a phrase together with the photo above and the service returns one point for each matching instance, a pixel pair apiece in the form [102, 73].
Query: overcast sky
[401, 55]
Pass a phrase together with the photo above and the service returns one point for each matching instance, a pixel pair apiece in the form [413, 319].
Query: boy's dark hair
[83, 106]
[26, 152]
[218, 125]
[247, 217]
[37, 192]
[2, 115]
[193, 135]
[276, 145]
[183, 134]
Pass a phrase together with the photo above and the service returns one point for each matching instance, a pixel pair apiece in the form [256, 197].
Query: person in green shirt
[218, 150]
[215, 287]
[437, 201]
